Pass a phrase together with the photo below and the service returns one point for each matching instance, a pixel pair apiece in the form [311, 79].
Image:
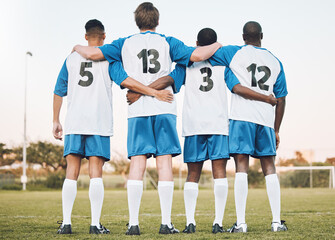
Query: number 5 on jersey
[85, 73]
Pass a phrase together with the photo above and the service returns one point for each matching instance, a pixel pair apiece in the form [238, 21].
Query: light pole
[24, 175]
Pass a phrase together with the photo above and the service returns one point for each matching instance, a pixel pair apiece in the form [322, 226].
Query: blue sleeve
[117, 73]
[230, 78]
[179, 52]
[224, 55]
[62, 82]
[112, 52]
[178, 75]
[280, 88]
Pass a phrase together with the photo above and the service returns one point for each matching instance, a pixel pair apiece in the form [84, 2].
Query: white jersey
[257, 69]
[146, 57]
[205, 108]
[89, 96]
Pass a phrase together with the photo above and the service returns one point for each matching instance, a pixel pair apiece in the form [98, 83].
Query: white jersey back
[205, 108]
[146, 57]
[257, 69]
[89, 97]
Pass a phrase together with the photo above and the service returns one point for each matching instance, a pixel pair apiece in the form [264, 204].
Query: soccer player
[147, 56]
[89, 123]
[254, 126]
[205, 126]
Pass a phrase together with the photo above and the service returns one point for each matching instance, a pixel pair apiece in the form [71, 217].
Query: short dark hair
[94, 27]
[252, 31]
[206, 37]
[146, 16]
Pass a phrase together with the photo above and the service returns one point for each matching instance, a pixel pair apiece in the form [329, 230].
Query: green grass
[310, 214]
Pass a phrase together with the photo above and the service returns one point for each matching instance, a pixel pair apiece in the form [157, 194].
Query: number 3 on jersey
[206, 79]
[85, 73]
[144, 54]
[260, 82]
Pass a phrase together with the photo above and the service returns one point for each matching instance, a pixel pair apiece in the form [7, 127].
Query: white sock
[220, 194]
[190, 199]
[69, 193]
[241, 193]
[96, 194]
[134, 191]
[165, 192]
[273, 190]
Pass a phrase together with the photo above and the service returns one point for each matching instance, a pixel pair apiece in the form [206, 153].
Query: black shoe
[240, 228]
[64, 229]
[189, 229]
[278, 227]
[133, 230]
[217, 229]
[164, 229]
[100, 230]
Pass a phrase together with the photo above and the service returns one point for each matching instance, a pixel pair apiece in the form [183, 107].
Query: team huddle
[142, 63]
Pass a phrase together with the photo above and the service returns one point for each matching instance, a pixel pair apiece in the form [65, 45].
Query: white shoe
[242, 227]
[278, 227]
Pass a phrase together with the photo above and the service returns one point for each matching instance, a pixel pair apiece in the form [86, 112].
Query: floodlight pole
[24, 163]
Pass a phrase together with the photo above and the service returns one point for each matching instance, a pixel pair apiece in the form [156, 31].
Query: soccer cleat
[164, 229]
[217, 229]
[278, 227]
[189, 229]
[133, 230]
[100, 230]
[64, 229]
[240, 228]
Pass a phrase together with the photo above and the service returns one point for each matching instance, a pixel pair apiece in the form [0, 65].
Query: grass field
[310, 214]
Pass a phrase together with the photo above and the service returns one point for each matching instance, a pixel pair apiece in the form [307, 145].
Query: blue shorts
[153, 135]
[87, 145]
[199, 148]
[252, 139]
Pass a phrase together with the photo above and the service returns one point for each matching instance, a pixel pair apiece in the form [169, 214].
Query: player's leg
[241, 145]
[73, 151]
[134, 191]
[97, 150]
[220, 192]
[195, 153]
[219, 153]
[167, 145]
[266, 151]
[140, 144]
[191, 191]
[165, 187]
[241, 186]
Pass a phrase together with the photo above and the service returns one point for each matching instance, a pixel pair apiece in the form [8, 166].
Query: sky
[300, 33]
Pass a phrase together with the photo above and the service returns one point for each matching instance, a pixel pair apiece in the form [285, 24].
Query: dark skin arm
[280, 109]
[247, 93]
[159, 84]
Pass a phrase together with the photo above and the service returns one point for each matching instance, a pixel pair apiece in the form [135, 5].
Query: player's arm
[280, 109]
[280, 91]
[59, 92]
[205, 52]
[88, 52]
[135, 86]
[234, 85]
[247, 93]
[57, 129]
[121, 78]
[159, 84]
